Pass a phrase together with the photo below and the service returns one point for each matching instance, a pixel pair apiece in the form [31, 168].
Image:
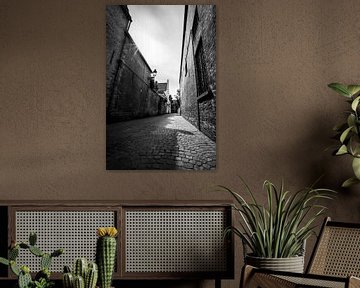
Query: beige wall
[275, 112]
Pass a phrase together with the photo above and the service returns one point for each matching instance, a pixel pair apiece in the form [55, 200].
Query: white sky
[157, 31]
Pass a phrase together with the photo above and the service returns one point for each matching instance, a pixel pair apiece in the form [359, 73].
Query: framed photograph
[161, 87]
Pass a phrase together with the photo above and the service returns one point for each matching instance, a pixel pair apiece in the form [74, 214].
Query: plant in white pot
[348, 132]
[276, 233]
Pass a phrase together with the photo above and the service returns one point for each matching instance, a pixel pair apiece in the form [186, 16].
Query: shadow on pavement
[147, 144]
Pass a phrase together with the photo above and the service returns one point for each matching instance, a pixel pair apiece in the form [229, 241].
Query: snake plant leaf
[340, 88]
[345, 134]
[349, 182]
[356, 167]
[355, 103]
[353, 89]
[342, 150]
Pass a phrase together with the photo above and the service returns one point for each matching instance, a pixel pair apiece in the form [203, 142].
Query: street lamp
[153, 74]
[152, 79]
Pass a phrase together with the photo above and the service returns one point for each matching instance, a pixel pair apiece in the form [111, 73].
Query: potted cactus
[106, 254]
[85, 275]
[42, 278]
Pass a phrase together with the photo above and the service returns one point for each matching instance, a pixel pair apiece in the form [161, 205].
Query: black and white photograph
[161, 87]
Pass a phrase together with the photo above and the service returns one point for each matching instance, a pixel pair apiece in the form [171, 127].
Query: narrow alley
[166, 142]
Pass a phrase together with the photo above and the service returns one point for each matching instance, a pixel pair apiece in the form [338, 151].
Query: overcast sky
[157, 31]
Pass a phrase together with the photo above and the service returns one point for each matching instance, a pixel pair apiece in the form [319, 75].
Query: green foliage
[42, 278]
[42, 283]
[4, 261]
[348, 133]
[279, 229]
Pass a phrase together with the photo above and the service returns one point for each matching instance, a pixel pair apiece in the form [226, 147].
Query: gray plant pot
[291, 264]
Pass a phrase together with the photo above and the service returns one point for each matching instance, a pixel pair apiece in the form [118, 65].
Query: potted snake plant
[348, 133]
[274, 234]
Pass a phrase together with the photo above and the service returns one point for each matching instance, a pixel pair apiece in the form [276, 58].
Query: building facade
[163, 89]
[129, 93]
[198, 68]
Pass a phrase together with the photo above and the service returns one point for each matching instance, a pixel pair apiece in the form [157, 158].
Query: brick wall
[128, 91]
[200, 111]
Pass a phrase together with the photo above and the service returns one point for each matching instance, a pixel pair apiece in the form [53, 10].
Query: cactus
[89, 272]
[24, 277]
[68, 280]
[79, 282]
[32, 238]
[105, 254]
[24, 245]
[57, 252]
[91, 276]
[45, 261]
[36, 251]
[67, 269]
[80, 267]
[24, 280]
[42, 278]
[13, 253]
[14, 268]
[4, 261]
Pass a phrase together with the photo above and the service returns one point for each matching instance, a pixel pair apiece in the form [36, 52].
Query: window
[195, 23]
[201, 72]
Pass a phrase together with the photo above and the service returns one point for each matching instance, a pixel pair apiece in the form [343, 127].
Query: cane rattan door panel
[74, 231]
[166, 241]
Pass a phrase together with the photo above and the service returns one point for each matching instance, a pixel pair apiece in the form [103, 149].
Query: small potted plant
[348, 132]
[276, 233]
[42, 278]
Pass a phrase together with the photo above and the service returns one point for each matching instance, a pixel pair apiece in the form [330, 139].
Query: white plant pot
[291, 264]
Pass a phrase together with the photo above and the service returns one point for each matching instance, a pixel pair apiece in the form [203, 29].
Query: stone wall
[129, 95]
[198, 109]
[117, 21]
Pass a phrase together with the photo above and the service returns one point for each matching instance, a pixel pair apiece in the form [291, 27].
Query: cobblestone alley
[166, 142]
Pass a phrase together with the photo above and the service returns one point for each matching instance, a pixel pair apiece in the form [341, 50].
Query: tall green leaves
[279, 228]
[348, 132]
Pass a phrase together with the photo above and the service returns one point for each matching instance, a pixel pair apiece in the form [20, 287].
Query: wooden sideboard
[157, 240]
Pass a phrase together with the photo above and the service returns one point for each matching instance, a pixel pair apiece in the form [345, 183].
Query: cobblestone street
[166, 142]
